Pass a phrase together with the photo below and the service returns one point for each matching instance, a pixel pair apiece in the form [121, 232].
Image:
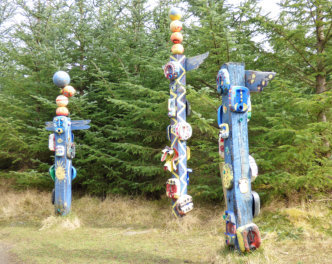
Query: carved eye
[62, 119]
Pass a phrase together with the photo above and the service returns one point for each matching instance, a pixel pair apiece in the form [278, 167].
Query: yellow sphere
[177, 49]
[61, 100]
[175, 13]
[62, 111]
[176, 26]
[176, 37]
[68, 91]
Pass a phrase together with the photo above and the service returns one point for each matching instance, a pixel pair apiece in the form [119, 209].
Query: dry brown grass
[124, 230]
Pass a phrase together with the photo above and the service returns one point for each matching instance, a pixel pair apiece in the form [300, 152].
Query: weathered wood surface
[62, 127]
[235, 84]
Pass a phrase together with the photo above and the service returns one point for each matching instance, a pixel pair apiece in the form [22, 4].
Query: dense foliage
[114, 50]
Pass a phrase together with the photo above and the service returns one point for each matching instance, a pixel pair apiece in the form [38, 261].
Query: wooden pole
[62, 142]
[238, 168]
[179, 131]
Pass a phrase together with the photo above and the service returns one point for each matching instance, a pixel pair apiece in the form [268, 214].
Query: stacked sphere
[176, 27]
[62, 80]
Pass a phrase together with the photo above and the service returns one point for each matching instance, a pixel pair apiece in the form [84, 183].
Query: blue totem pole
[62, 142]
[179, 131]
[239, 169]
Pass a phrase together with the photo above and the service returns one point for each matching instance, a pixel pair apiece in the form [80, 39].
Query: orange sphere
[177, 49]
[61, 100]
[176, 37]
[176, 26]
[68, 91]
[62, 111]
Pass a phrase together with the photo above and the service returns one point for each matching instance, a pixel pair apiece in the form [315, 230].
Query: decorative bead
[177, 49]
[175, 13]
[176, 26]
[62, 111]
[176, 37]
[61, 100]
[61, 79]
[68, 91]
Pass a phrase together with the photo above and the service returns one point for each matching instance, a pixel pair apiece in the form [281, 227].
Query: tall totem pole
[239, 169]
[62, 142]
[179, 131]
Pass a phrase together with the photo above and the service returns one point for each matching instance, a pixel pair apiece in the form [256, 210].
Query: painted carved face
[60, 123]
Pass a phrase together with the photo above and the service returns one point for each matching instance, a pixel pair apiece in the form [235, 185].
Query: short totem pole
[239, 169]
[62, 142]
[179, 131]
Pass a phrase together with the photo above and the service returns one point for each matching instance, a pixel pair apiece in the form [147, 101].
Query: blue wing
[80, 124]
[194, 62]
[49, 126]
[256, 80]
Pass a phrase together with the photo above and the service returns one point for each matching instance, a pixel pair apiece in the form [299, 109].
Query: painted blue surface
[239, 98]
[256, 80]
[178, 92]
[220, 109]
[64, 171]
[61, 79]
[223, 81]
[235, 99]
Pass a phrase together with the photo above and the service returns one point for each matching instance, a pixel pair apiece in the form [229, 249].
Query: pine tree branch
[282, 34]
[327, 37]
[207, 84]
[311, 12]
[298, 70]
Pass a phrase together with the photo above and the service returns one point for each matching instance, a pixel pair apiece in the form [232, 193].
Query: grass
[124, 230]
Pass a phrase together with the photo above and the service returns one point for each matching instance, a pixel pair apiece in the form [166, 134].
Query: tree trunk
[321, 77]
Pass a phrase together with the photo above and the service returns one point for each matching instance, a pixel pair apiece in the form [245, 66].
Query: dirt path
[5, 257]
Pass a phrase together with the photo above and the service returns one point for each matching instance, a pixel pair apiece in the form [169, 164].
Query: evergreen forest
[114, 51]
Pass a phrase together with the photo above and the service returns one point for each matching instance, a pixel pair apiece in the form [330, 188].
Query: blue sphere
[61, 79]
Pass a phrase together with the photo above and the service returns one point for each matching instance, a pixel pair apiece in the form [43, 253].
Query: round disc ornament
[227, 176]
[175, 13]
[183, 130]
[68, 91]
[172, 70]
[61, 79]
[61, 100]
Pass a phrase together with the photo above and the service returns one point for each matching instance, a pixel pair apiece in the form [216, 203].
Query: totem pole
[62, 142]
[179, 131]
[239, 169]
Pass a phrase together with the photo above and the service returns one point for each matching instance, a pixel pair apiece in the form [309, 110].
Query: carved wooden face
[61, 124]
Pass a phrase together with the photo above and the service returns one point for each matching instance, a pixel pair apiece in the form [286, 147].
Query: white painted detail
[51, 142]
[253, 168]
[60, 150]
[184, 204]
[244, 185]
[171, 107]
[183, 130]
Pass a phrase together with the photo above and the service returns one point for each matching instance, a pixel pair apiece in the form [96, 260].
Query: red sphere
[176, 37]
